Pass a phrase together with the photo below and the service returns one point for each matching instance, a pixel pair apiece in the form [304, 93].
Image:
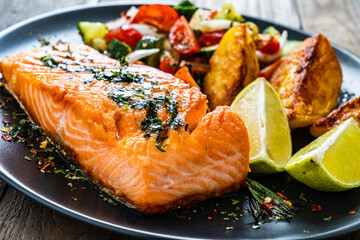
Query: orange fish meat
[140, 134]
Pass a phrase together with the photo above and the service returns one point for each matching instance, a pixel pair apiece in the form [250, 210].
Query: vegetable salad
[171, 37]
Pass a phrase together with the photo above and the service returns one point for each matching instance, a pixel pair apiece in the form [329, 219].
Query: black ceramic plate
[53, 191]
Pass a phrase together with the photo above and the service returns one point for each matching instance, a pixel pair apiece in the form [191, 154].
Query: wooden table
[23, 218]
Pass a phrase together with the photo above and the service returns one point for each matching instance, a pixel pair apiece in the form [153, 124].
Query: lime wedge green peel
[269, 134]
[332, 161]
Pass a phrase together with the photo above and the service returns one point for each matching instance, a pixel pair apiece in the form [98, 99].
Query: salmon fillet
[141, 135]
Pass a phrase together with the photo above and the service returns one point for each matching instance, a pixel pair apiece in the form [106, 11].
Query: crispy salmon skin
[140, 134]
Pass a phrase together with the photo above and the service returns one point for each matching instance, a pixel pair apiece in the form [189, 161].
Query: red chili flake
[267, 206]
[5, 107]
[76, 177]
[41, 158]
[10, 99]
[45, 166]
[52, 164]
[6, 137]
[215, 210]
[39, 138]
[181, 217]
[33, 151]
[210, 218]
[280, 195]
[316, 208]
[6, 122]
[336, 216]
[352, 212]
[20, 138]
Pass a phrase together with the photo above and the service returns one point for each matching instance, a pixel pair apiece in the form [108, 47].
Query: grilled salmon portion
[141, 135]
[350, 109]
[308, 81]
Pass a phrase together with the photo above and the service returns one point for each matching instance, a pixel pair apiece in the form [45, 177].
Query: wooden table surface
[23, 218]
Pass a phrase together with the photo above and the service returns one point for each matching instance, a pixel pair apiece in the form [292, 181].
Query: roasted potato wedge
[233, 66]
[349, 109]
[308, 81]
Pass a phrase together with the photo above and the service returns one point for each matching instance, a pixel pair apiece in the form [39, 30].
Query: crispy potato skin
[349, 109]
[233, 66]
[308, 81]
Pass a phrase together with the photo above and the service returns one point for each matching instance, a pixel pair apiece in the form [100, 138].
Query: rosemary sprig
[277, 207]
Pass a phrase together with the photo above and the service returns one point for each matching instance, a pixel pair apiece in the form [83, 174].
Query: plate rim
[13, 182]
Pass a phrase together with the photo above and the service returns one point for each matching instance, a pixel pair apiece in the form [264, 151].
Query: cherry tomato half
[158, 15]
[267, 44]
[182, 38]
[168, 64]
[125, 34]
[211, 38]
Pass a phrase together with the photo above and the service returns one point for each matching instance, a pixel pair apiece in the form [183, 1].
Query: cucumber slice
[272, 31]
[289, 46]
[99, 44]
[207, 52]
[91, 30]
[254, 29]
[149, 42]
[118, 49]
[228, 12]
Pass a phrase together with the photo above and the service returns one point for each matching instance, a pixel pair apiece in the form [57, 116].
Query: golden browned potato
[349, 109]
[308, 81]
[233, 66]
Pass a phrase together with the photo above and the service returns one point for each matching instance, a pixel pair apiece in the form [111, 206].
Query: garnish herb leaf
[49, 62]
[277, 207]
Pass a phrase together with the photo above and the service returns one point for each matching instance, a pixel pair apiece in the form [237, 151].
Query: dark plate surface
[53, 191]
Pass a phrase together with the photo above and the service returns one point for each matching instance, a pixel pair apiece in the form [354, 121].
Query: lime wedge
[332, 161]
[268, 128]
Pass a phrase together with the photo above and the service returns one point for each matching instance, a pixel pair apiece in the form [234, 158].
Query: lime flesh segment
[331, 162]
[247, 105]
[269, 134]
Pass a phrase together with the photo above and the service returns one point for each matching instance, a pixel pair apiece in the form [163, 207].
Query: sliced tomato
[168, 64]
[211, 38]
[158, 15]
[182, 38]
[267, 44]
[125, 34]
